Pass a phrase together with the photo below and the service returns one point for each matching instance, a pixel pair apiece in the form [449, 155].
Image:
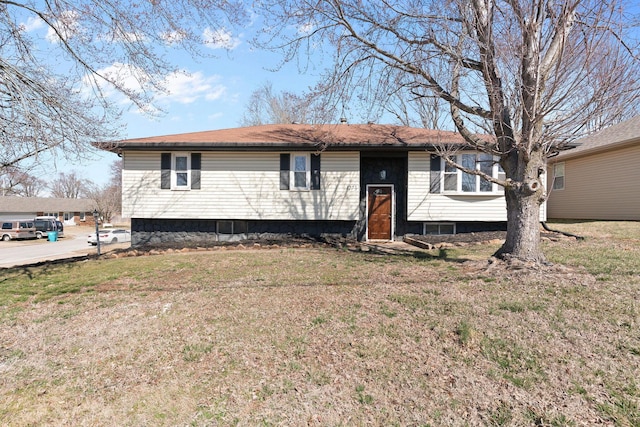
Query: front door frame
[393, 209]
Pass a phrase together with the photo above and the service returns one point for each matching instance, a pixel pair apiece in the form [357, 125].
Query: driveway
[15, 253]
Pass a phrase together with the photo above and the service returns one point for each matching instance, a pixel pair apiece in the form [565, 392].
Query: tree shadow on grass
[441, 254]
[38, 269]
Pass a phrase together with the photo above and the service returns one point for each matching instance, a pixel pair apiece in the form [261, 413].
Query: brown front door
[379, 213]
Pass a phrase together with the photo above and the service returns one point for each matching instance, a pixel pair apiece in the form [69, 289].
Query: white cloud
[67, 26]
[124, 75]
[179, 87]
[184, 88]
[32, 24]
[306, 28]
[220, 39]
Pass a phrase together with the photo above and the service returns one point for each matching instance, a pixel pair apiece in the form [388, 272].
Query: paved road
[22, 252]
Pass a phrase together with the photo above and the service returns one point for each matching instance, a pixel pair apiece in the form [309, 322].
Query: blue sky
[211, 94]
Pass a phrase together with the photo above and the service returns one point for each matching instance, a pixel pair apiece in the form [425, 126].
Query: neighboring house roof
[616, 136]
[45, 204]
[298, 136]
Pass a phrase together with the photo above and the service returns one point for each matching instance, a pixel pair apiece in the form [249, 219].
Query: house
[70, 211]
[371, 182]
[600, 178]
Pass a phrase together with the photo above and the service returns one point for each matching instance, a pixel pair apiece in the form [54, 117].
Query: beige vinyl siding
[242, 185]
[605, 186]
[425, 206]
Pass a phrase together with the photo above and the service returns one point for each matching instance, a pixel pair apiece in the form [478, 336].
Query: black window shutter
[315, 171]
[165, 171]
[435, 174]
[196, 166]
[285, 166]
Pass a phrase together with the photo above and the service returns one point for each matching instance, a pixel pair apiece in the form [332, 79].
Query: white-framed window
[558, 176]
[454, 180]
[83, 216]
[300, 171]
[180, 171]
[68, 216]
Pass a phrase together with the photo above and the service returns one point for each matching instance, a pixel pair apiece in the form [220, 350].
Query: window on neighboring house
[68, 216]
[180, 171]
[558, 176]
[83, 216]
[299, 171]
[453, 180]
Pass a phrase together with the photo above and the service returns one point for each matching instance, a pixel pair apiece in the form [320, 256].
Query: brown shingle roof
[624, 133]
[45, 204]
[335, 136]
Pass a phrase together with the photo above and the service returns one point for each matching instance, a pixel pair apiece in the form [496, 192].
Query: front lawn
[324, 336]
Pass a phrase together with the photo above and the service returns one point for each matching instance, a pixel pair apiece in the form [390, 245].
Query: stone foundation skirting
[191, 231]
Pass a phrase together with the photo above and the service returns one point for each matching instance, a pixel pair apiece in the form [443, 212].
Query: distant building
[69, 211]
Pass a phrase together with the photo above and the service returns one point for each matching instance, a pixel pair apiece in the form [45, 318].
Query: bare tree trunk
[523, 228]
[524, 198]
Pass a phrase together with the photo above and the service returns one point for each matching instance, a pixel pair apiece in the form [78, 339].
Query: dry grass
[327, 337]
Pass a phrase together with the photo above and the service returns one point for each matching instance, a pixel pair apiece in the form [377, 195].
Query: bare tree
[532, 74]
[16, 182]
[428, 112]
[107, 46]
[70, 186]
[108, 198]
[265, 106]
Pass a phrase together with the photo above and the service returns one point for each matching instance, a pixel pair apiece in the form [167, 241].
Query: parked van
[17, 229]
[46, 224]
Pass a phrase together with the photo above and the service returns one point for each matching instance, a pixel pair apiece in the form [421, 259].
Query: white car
[115, 235]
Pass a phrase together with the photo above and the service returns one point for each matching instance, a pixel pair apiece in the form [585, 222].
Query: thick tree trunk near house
[523, 228]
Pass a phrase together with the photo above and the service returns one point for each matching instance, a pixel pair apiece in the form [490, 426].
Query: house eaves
[618, 136]
[294, 137]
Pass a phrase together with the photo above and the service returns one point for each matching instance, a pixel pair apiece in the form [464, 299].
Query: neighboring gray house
[70, 211]
[600, 178]
[372, 182]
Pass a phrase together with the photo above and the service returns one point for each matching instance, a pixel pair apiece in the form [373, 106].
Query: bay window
[449, 179]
